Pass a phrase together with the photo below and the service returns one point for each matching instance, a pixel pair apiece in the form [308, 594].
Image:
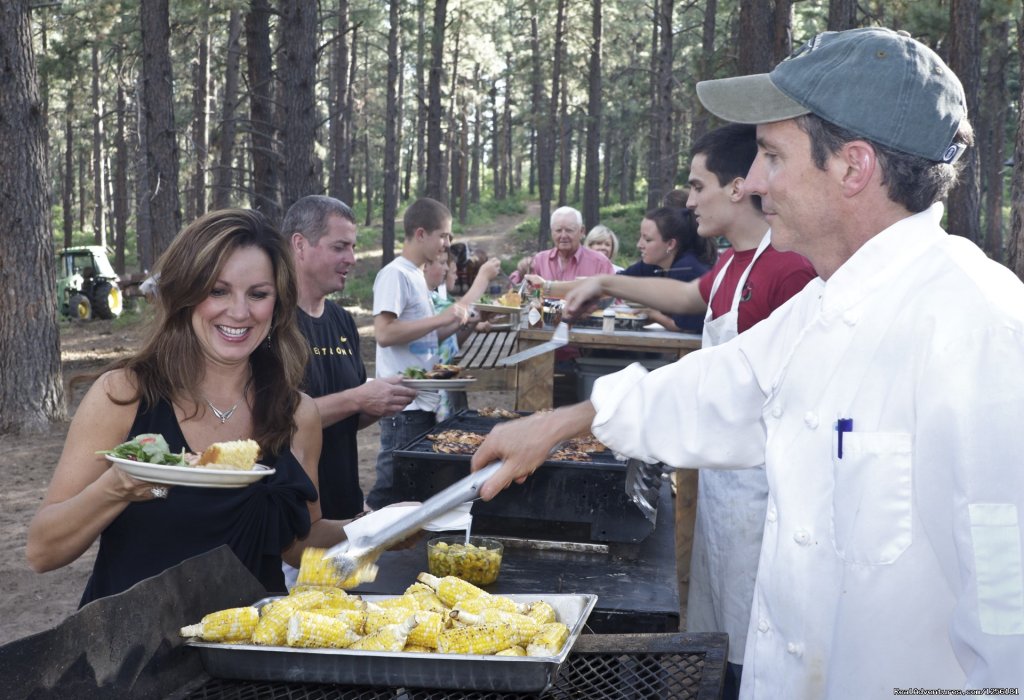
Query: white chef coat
[731, 504]
[898, 565]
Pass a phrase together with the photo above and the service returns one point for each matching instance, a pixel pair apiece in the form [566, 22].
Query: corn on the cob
[231, 625]
[425, 597]
[409, 602]
[540, 611]
[356, 619]
[314, 570]
[429, 625]
[512, 651]
[314, 630]
[387, 638]
[476, 639]
[480, 603]
[526, 627]
[377, 617]
[450, 589]
[334, 597]
[272, 629]
[549, 640]
[417, 649]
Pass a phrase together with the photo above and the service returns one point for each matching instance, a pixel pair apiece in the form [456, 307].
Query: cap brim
[748, 99]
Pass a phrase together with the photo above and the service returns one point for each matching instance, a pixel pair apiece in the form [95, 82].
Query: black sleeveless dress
[258, 521]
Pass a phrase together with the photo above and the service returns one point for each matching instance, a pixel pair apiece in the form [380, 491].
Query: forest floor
[30, 602]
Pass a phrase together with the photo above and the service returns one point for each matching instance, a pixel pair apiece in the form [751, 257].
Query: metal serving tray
[510, 674]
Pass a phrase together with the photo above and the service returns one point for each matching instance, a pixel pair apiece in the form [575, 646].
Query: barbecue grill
[568, 501]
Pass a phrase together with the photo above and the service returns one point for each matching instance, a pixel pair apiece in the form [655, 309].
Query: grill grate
[603, 667]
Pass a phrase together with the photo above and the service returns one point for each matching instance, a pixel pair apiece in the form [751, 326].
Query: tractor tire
[106, 301]
[80, 308]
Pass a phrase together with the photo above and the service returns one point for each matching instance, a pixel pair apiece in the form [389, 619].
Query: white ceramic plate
[449, 384]
[191, 476]
[496, 308]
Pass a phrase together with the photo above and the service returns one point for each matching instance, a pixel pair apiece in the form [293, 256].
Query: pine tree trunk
[421, 98]
[265, 195]
[121, 158]
[435, 159]
[701, 118]
[842, 14]
[544, 158]
[68, 190]
[157, 119]
[31, 393]
[297, 77]
[1015, 242]
[224, 175]
[390, 205]
[992, 135]
[99, 204]
[341, 118]
[964, 210]
[756, 37]
[592, 177]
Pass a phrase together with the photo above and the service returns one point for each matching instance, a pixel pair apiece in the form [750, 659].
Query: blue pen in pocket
[843, 425]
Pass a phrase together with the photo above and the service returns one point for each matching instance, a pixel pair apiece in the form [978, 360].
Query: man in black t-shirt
[322, 233]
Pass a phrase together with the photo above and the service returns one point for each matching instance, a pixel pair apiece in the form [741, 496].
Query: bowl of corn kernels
[477, 560]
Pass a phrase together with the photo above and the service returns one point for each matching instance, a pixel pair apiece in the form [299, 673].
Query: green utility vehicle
[87, 286]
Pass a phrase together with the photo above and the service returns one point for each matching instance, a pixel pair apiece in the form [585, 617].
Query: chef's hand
[534, 281]
[526, 443]
[583, 297]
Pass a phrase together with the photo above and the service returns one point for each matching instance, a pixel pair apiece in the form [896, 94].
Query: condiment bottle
[608, 320]
[535, 315]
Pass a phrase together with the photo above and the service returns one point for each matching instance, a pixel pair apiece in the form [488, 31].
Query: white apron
[731, 505]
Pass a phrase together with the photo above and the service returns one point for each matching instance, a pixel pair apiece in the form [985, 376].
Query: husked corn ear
[387, 638]
[409, 602]
[479, 604]
[356, 619]
[314, 570]
[540, 611]
[549, 640]
[231, 625]
[272, 629]
[429, 625]
[451, 589]
[425, 597]
[382, 617]
[476, 639]
[317, 631]
[417, 649]
[512, 651]
[525, 627]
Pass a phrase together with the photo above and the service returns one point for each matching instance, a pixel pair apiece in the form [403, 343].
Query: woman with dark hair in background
[670, 247]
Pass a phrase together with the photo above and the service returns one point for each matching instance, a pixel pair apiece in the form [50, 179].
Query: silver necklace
[222, 415]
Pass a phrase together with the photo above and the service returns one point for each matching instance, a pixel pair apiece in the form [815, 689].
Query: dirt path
[33, 602]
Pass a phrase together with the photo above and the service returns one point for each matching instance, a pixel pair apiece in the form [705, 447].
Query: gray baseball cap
[879, 84]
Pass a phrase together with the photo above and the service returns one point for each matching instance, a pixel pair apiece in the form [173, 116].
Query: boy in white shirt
[408, 333]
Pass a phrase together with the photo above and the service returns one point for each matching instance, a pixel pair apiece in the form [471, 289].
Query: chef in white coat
[883, 399]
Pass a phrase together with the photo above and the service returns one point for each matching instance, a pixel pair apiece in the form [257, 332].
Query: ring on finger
[159, 491]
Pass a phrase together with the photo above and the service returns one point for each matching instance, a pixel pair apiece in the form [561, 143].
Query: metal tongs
[351, 556]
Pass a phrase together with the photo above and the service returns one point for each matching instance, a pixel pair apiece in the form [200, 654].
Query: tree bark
[755, 37]
[99, 203]
[341, 116]
[477, 147]
[265, 168]
[992, 128]
[592, 176]
[662, 158]
[31, 392]
[701, 117]
[555, 126]
[200, 116]
[158, 122]
[68, 193]
[297, 77]
[842, 14]
[390, 205]
[121, 157]
[964, 50]
[224, 176]
[422, 115]
[435, 159]
[1015, 244]
[544, 160]
[782, 30]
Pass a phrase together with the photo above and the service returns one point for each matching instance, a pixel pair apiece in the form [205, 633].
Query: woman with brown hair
[223, 363]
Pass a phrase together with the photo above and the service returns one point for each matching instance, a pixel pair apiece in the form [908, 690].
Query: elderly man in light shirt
[569, 258]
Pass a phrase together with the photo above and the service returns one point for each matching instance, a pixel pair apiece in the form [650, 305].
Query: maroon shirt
[775, 277]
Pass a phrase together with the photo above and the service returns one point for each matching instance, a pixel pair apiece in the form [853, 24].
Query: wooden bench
[480, 354]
